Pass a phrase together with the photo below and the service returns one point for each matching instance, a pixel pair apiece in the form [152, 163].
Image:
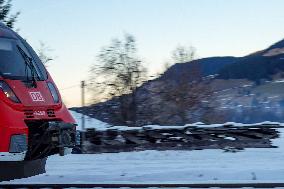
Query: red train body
[34, 123]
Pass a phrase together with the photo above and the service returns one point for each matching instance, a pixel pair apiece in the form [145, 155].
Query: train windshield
[14, 64]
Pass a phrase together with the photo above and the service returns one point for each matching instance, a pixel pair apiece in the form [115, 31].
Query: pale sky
[76, 30]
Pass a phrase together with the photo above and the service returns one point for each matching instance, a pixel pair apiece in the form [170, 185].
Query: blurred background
[146, 62]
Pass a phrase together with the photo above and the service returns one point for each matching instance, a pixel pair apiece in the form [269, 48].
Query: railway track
[123, 139]
[195, 185]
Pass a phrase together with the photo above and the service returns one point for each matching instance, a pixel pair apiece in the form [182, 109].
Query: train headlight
[9, 93]
[18, 143]
[53, 92]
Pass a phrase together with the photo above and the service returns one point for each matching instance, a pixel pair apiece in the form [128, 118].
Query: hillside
[207, 66]
[261, 65]
[211, 90]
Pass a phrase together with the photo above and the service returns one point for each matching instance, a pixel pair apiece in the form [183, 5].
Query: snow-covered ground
[250, 165]
[89, 122]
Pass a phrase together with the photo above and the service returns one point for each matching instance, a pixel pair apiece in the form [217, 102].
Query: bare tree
[189, 94]
[185, 92]
[190, 98]
[5, 16]
[183, 54]
[118, 75]
[44, 53]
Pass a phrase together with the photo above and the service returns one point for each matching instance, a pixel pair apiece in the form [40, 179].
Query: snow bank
[279, 81]
[197, 125]
[89, 122]
[101, 126]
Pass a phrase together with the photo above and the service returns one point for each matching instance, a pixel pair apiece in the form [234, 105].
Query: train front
[34, 123]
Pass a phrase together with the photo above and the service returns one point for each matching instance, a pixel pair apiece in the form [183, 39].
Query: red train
[34, 123]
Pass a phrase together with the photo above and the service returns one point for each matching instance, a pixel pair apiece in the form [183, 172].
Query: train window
[12, 62]
[5, 46]
[37, 60]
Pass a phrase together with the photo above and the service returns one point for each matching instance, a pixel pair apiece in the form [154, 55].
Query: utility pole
[83, 85]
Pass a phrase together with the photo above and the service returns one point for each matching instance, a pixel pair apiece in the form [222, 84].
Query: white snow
[163, 127]
[89, 122]
[229, 138]
[125, 128]
[279, 81]
[250, 165]
[100, 126]
[247, 85]
[200, 166]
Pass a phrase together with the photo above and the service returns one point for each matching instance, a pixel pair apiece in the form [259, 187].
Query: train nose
[50, 137]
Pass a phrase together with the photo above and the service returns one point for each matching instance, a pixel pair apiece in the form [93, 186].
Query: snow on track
[100, 125]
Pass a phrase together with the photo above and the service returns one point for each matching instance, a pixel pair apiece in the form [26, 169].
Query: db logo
[36, 97]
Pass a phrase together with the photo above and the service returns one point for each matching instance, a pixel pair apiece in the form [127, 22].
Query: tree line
[120, 77]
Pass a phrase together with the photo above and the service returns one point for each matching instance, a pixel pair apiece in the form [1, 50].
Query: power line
[70, 87]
